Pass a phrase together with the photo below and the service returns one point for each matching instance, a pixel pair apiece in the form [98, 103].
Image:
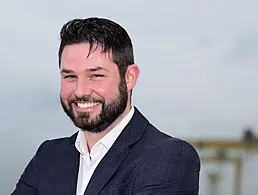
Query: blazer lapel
[117, 153]
[67, 168]
[74, 166]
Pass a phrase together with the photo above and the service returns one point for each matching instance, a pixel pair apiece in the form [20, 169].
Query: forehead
[77, 57]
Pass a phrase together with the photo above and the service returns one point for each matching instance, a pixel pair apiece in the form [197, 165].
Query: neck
[93, 138]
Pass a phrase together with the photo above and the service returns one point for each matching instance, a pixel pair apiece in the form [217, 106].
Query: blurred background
[199, 66]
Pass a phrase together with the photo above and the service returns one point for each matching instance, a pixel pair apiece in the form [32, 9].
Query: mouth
[84, 105]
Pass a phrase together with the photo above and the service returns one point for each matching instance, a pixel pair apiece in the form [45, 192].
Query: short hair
[107, 34]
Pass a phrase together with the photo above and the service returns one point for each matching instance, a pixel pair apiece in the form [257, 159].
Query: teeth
[86, 105]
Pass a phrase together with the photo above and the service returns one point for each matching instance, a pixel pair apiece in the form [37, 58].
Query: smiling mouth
[87, 104]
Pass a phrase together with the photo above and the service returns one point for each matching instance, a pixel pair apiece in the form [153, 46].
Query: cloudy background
[198, 60]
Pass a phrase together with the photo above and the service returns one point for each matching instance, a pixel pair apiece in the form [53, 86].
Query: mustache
[84, 99]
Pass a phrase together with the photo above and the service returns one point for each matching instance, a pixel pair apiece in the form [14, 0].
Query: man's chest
[101, 180]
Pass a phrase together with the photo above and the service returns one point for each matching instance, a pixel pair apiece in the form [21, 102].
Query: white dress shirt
[89, 161]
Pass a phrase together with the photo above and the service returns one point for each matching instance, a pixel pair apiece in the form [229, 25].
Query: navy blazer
[142, 161]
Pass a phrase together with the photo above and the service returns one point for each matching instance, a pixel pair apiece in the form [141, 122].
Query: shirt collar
[80, 143]
[108, 140]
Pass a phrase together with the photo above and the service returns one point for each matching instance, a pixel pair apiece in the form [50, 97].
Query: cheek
[66, 91]
[108, 90]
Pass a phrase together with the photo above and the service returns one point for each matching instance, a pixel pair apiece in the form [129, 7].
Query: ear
[131, 76]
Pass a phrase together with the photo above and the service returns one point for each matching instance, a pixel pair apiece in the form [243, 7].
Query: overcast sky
[198, 60]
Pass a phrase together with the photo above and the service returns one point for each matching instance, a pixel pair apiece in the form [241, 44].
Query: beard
[109, 111]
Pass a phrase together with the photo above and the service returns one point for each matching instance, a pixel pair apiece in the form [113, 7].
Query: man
[117, 150]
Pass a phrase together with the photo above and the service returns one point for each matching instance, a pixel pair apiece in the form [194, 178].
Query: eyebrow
[96, 69]
[66, 71]
[86, 70]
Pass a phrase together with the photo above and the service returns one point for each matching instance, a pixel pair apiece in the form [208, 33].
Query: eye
[97, 75]
[70, 77]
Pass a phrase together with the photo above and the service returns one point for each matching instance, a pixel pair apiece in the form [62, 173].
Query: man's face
[92, 93]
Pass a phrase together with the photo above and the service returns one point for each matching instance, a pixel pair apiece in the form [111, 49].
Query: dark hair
[105, 33]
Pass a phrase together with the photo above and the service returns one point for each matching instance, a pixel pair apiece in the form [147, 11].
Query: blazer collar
[117, 153]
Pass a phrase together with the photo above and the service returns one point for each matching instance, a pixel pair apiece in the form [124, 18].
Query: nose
[83, 88]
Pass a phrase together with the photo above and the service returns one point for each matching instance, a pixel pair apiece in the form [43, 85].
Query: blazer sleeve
[27, 183]
[171, 169]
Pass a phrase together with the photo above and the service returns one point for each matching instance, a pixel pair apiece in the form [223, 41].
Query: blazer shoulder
[170, 164]
[161, 139]
[51, 144]
[49, 154]
[175, 146]
[161, 144]
[181, 145]
[53, 149]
